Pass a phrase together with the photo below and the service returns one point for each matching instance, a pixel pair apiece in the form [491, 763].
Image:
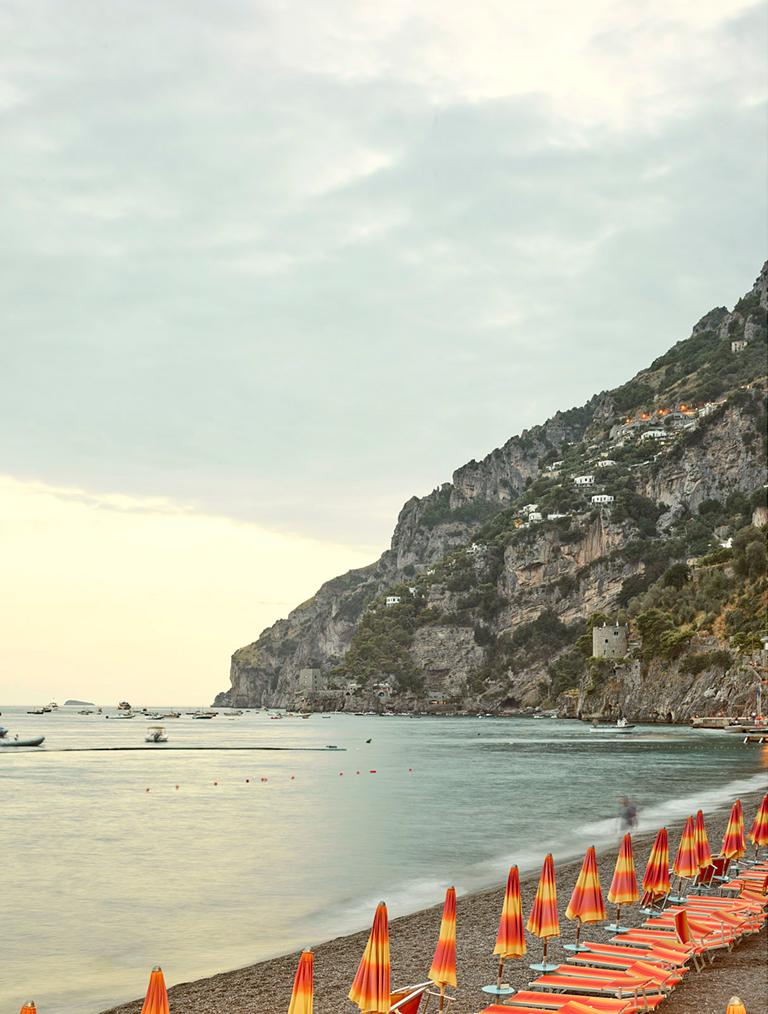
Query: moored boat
[622, 726]
[6, 740]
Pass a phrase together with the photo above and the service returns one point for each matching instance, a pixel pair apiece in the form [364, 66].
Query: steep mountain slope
[486, 593]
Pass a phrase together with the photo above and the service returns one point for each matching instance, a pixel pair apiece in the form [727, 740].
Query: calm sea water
[102, 879]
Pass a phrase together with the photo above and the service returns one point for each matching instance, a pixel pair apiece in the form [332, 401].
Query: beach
[265, 987]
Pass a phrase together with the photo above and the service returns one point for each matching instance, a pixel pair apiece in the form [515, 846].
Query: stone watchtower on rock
[610, 642]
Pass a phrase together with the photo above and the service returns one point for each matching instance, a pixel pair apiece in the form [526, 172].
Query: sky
[268, 269]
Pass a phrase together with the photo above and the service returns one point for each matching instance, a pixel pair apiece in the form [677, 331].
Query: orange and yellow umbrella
[156, 1000]
[623, 889]
[302, 997]
[735, 1006]
[371, 987]
[734, 845]
[443, 970]
[586, 904]
[701, 840]
[543, 921]
[656, 878]
[686, 863]
[758, 834]
[510, 940]
[29, 1008]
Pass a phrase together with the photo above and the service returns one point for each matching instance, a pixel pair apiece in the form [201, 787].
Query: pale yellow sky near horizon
[106, 596]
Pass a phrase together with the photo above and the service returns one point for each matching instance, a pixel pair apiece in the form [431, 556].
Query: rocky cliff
[491, 578]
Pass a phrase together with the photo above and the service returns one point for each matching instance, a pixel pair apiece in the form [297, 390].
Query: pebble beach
[265, 987]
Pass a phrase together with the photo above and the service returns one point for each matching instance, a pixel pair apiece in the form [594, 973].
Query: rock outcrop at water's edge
[482, 600]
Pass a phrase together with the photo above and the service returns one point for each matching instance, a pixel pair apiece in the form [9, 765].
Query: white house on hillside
[739, 345]
[602, 498]
[654, 435]
[392, 600]
[605, 463]
[584, 480]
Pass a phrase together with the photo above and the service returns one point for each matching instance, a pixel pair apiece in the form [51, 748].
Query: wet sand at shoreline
[265, 987]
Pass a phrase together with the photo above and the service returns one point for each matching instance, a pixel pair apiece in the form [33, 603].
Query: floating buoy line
[292, 778]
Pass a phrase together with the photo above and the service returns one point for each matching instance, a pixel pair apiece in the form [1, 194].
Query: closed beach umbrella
[686, 863]
[443, 970]
[735, 1006]
[734, 845]
[29, 1008]
[758, 834]
[302, 997]
[656, 878]
[371, 987]
[156, 1000]
[510, 940]
[623, 889]
[701, 839]
[543, 921]
[586, 904]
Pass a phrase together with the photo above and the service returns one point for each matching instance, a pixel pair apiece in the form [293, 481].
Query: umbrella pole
[544, 959]
[442, 998]
[500, 972]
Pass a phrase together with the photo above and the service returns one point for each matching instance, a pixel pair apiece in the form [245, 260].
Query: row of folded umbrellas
[371, 987]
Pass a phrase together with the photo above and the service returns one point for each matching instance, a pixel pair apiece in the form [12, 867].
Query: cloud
[105, 596]
[292, 264]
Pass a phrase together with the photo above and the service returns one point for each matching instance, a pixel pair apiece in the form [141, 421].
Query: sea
[246, 837]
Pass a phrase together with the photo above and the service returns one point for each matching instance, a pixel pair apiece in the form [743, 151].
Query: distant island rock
[79, 704]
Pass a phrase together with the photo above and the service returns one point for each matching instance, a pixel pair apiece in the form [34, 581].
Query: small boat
[622, 726]
[331, 746]
[156, 734]
[204, 714]
[123, 706]
[39, 711]
[124, 714]
[5, 740]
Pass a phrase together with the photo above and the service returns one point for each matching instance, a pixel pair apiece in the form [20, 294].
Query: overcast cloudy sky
[288, 263]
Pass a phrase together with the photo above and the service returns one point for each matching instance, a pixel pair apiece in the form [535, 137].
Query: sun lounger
[571, 1007]
[715, 873]
[407, 1001]
[673, 957]
[602, 983]
[556, 1001]
[618, 962]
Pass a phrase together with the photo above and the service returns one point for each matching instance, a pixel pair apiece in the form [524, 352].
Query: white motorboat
[156, 734]
[622, 726]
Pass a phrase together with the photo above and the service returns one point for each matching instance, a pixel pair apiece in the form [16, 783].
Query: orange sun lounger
[617, 962]
[600, 982]
[672, 956]
[407, 1001]
[571, 1007]
[556, 1001]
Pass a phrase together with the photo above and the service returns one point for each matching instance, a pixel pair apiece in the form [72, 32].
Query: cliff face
[491, 593]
